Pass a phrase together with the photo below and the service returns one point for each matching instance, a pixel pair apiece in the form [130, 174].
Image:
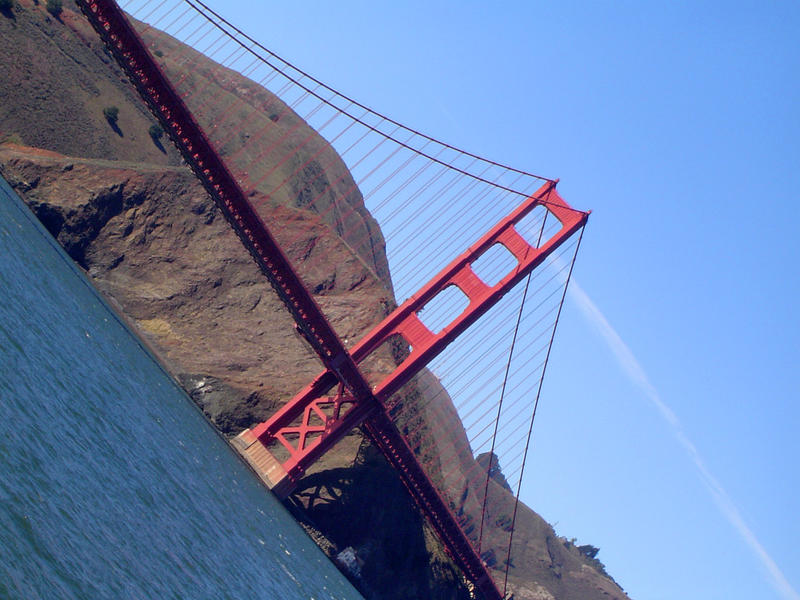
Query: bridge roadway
[341, 367]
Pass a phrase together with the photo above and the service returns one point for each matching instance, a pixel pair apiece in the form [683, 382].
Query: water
[112, 485]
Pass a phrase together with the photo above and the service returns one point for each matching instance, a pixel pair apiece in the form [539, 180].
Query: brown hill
[151, 240]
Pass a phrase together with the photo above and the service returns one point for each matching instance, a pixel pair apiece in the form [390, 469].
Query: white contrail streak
[628, 363]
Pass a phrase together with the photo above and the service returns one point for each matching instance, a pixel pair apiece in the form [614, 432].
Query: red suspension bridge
[461, 307]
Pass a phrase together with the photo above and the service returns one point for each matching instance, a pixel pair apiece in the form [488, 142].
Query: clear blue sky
[668, 429]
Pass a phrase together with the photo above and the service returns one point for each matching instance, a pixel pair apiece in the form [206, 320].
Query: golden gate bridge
[480, 253]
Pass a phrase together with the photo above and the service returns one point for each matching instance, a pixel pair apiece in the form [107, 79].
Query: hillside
[135, 219]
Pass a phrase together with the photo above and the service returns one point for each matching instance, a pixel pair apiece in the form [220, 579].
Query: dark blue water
[112, 485]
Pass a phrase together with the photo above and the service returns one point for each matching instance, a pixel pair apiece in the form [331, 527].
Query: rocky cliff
[152, 241]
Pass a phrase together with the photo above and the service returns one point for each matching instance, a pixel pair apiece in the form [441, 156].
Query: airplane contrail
[634, 371]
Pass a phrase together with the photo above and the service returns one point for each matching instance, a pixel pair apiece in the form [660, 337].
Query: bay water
[112, 484]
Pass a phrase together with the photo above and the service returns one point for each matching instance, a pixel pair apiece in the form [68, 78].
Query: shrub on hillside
[111, 113]
[155, 132]
[588, 550]
[54, 7]
[11, 138]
